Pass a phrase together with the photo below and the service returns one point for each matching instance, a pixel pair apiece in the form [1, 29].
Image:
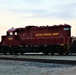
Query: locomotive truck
[45, 39]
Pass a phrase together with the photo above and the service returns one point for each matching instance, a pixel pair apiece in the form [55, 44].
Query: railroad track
[40, 54]
[41, 58]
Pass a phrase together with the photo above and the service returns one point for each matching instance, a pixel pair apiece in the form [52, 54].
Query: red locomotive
[46, 39]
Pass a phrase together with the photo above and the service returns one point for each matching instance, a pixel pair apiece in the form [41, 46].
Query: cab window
[11, 33]
[15, 33]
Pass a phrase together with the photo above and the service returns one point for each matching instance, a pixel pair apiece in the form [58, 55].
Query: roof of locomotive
[54, 26]
[35, 27]
[14, 29]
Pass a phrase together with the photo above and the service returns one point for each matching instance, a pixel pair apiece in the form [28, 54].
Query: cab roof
[14, 29]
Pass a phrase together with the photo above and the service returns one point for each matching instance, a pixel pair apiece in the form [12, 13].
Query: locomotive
[45, 39]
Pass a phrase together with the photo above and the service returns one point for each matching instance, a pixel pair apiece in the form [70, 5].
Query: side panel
[61, 31]
[59, 40]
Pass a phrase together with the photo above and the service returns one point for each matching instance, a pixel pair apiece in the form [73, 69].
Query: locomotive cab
[11, 41]
[11, 32]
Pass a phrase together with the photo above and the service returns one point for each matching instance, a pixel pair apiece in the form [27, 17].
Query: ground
[8, 67]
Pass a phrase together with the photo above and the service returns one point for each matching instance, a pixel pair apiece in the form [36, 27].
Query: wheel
[4, 53]
[60, 53]
[21, 53]
[66, 53]
[11, 53]
[45, 53]
[15, 53]
[52, 53]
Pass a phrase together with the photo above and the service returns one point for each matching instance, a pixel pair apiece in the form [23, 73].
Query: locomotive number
[10, 38]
